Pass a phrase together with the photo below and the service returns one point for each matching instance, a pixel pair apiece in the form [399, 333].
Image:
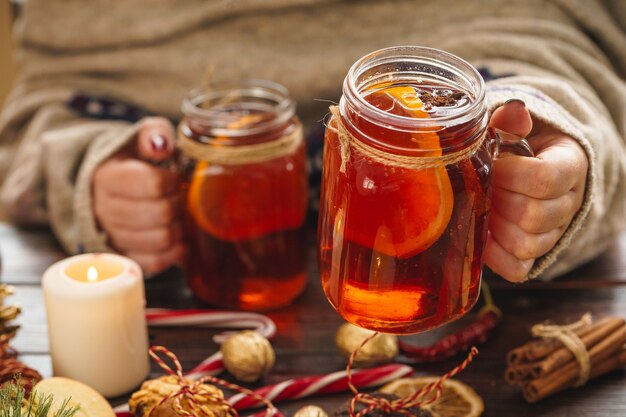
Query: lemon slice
[456, 400]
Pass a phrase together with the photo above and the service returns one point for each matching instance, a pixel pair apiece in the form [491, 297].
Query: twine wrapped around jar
[241, 154]
[349, 142]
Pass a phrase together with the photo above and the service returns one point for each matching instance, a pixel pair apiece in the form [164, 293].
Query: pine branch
[13, 403]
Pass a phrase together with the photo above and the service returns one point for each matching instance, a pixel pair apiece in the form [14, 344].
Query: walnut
[153, 391]
[248, 355]
[382, 348]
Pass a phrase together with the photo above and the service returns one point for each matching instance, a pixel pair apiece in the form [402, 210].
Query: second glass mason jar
[406, 190]
[244, 194]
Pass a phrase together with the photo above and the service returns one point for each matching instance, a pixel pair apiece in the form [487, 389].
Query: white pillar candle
[95, 305]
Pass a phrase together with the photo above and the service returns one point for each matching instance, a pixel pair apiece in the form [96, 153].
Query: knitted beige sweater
[567, 57]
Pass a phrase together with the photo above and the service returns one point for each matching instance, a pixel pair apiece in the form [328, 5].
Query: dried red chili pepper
[475, 333]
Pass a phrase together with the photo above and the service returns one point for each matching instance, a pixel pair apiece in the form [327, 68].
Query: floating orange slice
[247, 202]
[398, 211]
[456, 400]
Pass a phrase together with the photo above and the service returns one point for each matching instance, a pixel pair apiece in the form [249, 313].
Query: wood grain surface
[305, 340]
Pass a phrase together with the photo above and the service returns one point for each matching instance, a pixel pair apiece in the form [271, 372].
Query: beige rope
[565, 334]
[242, 154]
[348, 142]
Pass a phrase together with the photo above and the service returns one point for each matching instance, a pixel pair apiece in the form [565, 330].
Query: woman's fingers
[136, 203]
[558, 167]
[551, 174]
[135, 214]
[155, 141]
[522, 245]
[155, 262]
[504, 264]
[149, 240]
[135, 179]
[512, 117]
[534, 199]
[533, 215]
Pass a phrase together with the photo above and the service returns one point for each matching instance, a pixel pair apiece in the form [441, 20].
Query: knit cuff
[545, 109]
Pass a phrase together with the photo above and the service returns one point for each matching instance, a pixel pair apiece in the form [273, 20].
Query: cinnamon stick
[540, 348]
[540, 389]
[567, 376]
[518, 374]
[532, 351]
[563, 355]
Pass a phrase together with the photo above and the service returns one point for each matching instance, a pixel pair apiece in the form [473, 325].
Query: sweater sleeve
[568, 73]
[48, 154]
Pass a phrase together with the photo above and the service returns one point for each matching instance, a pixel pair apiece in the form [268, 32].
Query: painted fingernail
[158, 142]
[515, 100]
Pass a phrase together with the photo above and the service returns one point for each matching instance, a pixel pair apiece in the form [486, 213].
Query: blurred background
[7, 65]
[8, 10]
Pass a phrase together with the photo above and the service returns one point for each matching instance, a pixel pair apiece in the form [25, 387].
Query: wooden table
[305, 340]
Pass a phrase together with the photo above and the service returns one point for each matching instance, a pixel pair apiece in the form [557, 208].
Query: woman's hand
[534, 199]
[136, 203]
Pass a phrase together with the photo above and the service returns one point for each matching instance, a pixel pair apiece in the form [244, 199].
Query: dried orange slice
[456, 400]
[417, 204]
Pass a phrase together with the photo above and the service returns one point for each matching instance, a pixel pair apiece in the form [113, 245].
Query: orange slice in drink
[247, 202]
[456, 400]
[401, 212]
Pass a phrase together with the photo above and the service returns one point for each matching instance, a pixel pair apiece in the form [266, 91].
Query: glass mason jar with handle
[406, 190]
[244, 194]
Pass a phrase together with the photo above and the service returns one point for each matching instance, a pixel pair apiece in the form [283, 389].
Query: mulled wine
[245, 197]
[406, 191]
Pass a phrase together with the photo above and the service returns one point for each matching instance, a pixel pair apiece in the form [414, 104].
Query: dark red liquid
[401, 249]
[245, 229]
[255, 274]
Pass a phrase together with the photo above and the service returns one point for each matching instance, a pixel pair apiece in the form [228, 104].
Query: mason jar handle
[508, 143]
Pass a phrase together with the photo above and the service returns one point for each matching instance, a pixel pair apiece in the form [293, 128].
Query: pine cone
[5, 291]
[8, 313]
[12, 369]
[6, 351]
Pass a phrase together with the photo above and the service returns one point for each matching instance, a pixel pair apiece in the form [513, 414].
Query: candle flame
[92, 274]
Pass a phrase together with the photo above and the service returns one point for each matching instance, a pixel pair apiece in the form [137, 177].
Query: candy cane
[212, 318]
[325, 384]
